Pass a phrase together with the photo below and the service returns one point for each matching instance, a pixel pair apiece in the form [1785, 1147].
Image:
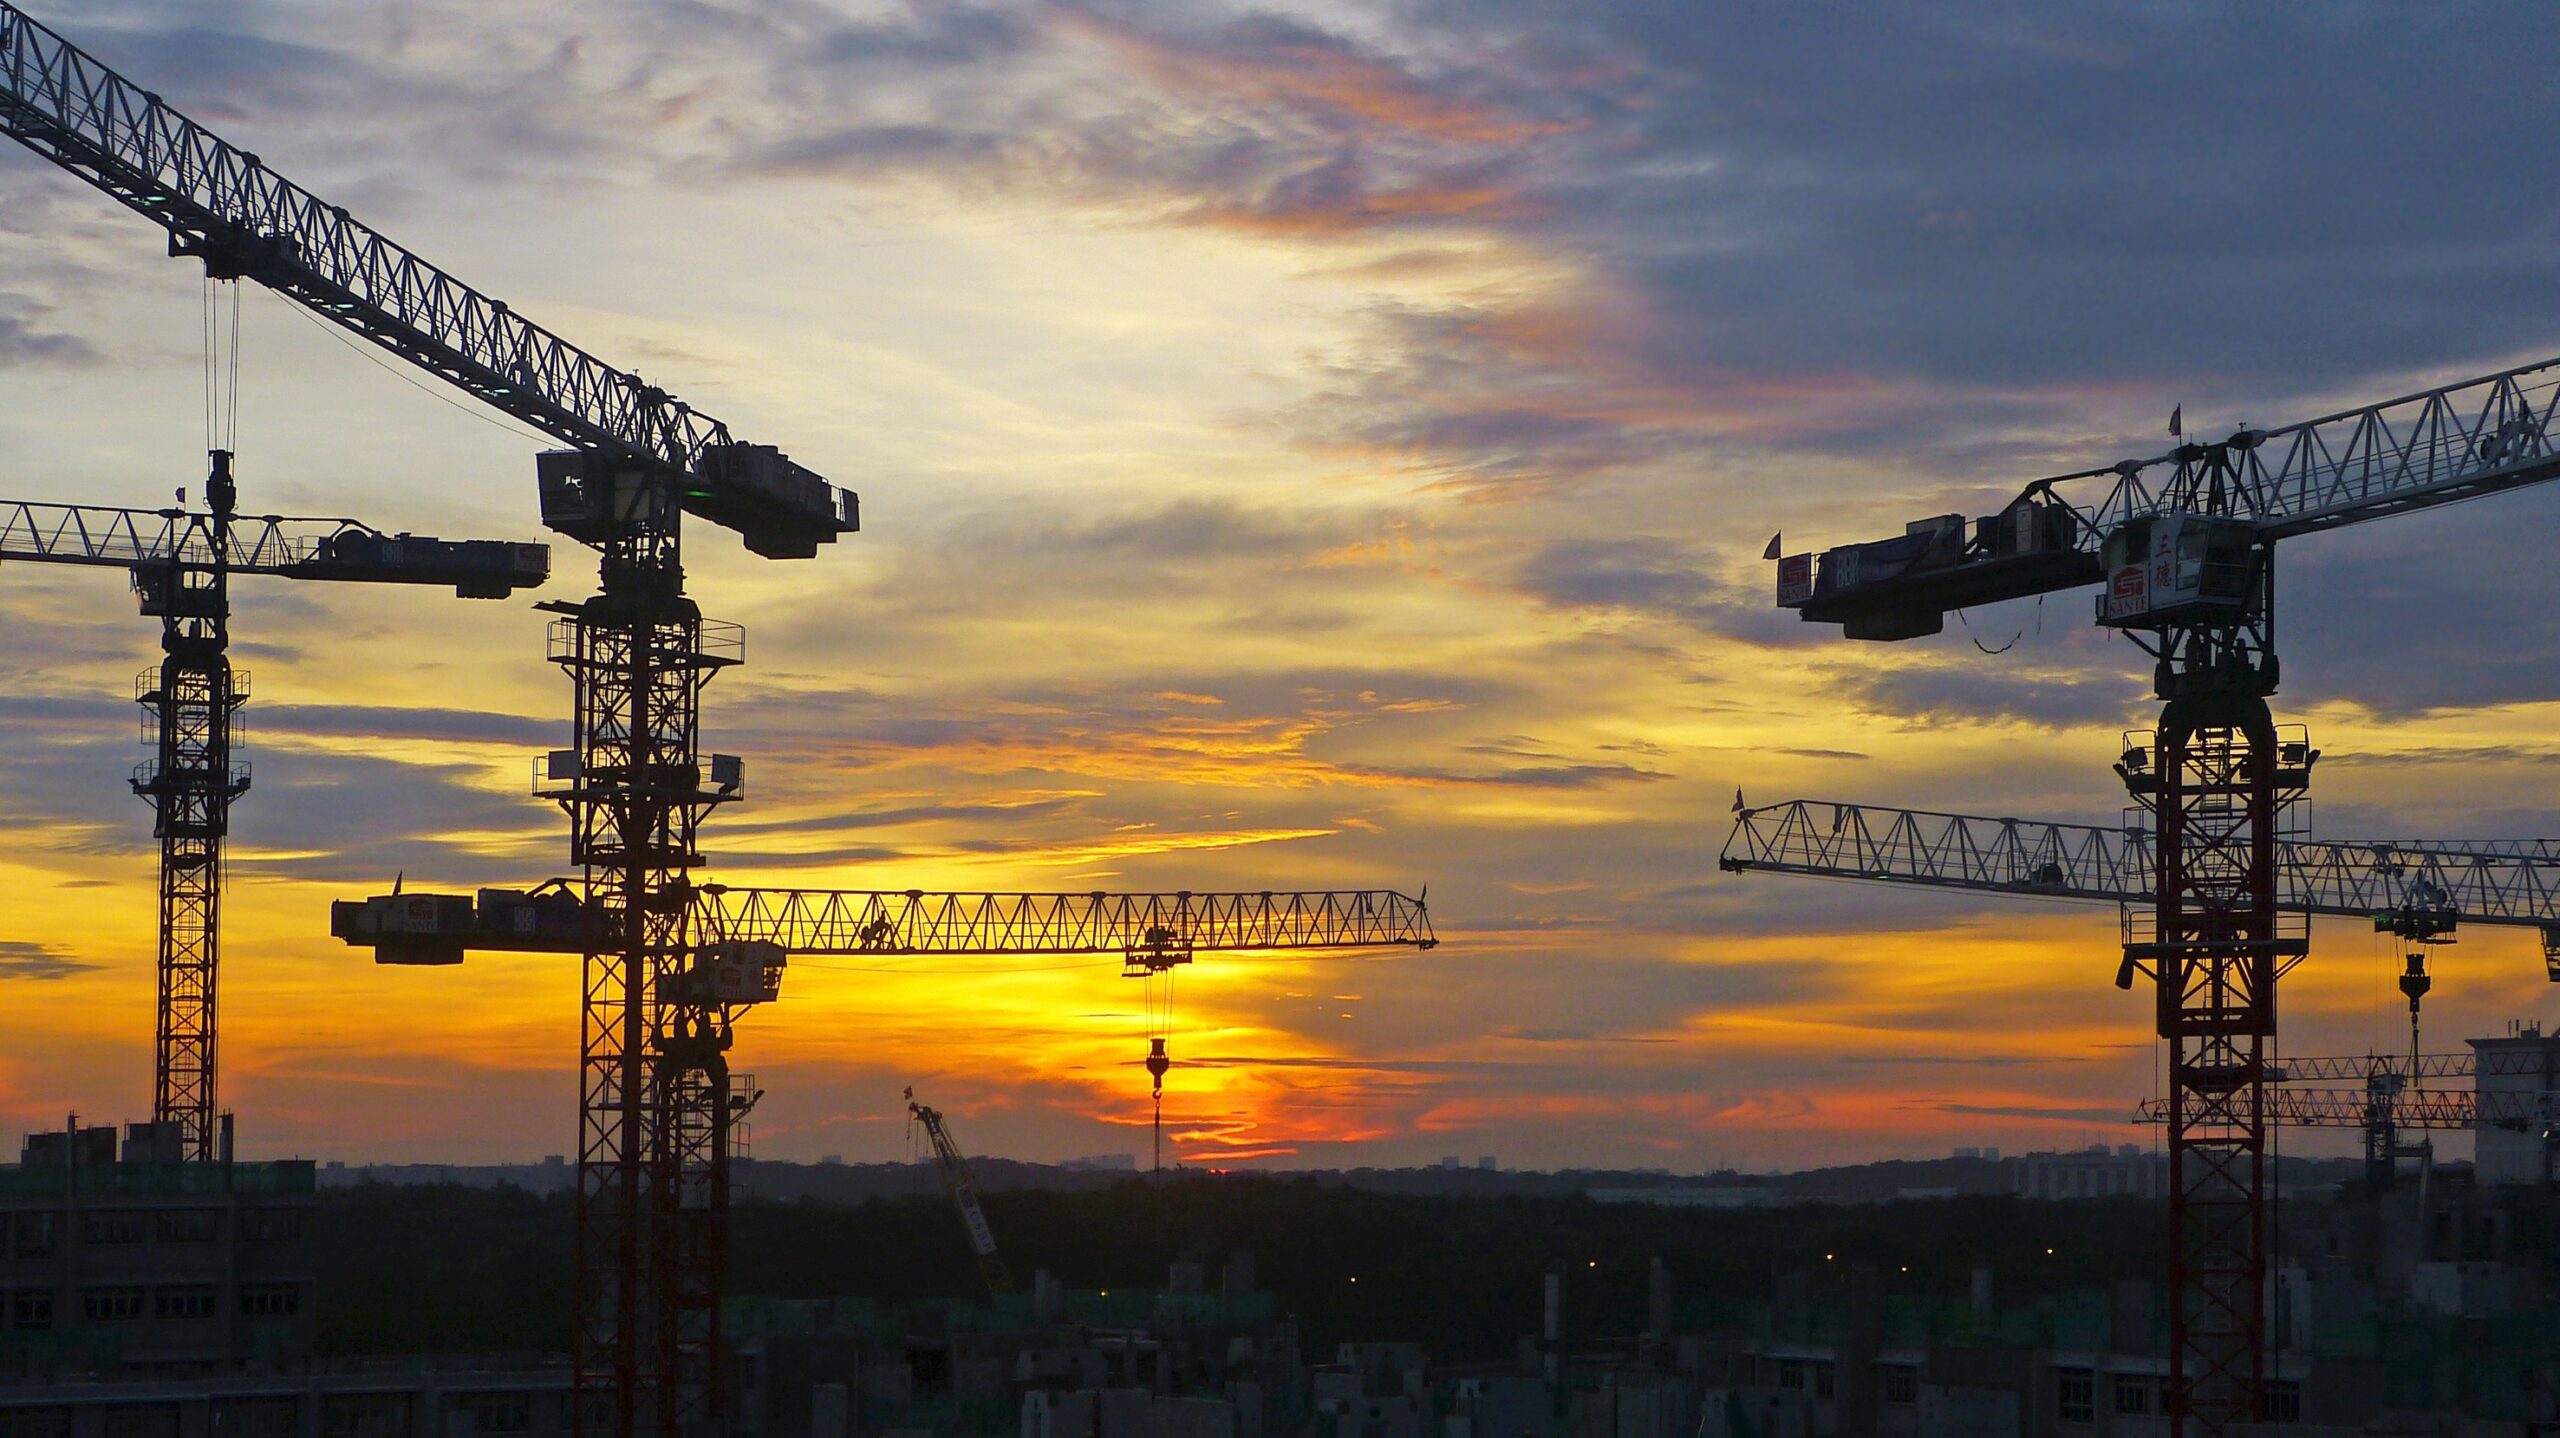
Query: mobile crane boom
[964, 1194]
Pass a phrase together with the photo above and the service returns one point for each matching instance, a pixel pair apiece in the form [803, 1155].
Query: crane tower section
[2183, 545]
[181, 564]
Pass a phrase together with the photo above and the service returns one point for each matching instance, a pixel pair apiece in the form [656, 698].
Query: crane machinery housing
[638, 655]
[181, 563]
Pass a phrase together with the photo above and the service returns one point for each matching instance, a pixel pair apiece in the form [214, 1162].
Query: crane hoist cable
[221, 303]
[1163, 948]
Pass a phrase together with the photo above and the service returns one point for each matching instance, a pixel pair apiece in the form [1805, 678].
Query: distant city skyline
[1299, 447]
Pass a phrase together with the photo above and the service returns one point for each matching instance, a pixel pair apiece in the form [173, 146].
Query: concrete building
[122, 1265]
[411, 1399]
[2519, 1071]
[2092, 1172]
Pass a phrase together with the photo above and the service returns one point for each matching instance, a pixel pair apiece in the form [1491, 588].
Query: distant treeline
[446, 1269]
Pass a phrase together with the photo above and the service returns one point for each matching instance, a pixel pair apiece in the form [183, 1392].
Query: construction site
[1742, 1188]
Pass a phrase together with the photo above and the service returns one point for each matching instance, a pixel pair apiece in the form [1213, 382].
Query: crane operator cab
[2178, 568]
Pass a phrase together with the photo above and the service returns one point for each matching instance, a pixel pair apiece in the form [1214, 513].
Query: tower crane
[2388, 1096]
[181, 563]
[2182, 545]
[638, 655]
[749, 933]
[964, 1194]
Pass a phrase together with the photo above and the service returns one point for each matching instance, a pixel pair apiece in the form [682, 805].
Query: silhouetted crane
[181, 563]
[2183, 545]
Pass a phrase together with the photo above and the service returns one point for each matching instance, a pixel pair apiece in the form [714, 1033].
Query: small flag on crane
[2178, 422]
[1772, 551]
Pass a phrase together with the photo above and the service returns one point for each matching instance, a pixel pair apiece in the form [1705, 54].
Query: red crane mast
[2183, 547]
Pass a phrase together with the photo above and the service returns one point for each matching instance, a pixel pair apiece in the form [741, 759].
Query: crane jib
[291, 548]
[2487, 882]
[223, 206]
[426, 928]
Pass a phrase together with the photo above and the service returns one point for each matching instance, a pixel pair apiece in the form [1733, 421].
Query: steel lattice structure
[2440, 1109]
[2419, 451]
[2357, 1068]
[746, 933]
[2218, 785]
[842, 921]
[181, 562]
[2184, 543]
[2391, 1096]
[654, 1093]
[639, 459]
[2513, 882]
[1143, 928]
[193, 698]
[223, 205]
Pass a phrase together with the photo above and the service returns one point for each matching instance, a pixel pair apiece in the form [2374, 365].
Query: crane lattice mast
[181, 563]
[635, 787]
[2183, 546]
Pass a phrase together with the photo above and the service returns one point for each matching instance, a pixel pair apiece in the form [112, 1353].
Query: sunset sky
[1323, 447]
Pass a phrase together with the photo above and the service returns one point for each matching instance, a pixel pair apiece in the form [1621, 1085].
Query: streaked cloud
[1302, 446]
[23, 959]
